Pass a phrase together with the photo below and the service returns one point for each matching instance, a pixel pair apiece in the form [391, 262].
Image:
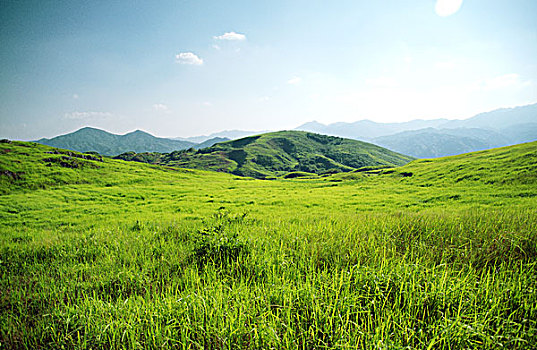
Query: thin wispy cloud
[160, 107]
[188, 58]
[87, 115]
[231, 36]
[503, 81]
[75, 96]
[294, 81]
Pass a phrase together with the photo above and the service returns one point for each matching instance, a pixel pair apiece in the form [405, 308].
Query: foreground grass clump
[132, 256]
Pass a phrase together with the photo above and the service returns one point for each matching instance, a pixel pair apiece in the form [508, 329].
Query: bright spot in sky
[446, 8]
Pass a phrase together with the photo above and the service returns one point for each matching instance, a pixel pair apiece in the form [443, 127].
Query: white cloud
[294, 81]
[207, 103]
[264, 99]
[159, 107]
[446, 8]
[231, 36]
[188, 58]
[87, 115]
[75, 96]
[502, 81]
[382, 82]
[216, 47]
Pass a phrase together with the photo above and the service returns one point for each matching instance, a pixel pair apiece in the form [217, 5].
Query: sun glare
[446, 8]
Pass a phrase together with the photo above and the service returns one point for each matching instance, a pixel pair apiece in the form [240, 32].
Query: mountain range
[95, 140]
[441, 137]
[417, 138]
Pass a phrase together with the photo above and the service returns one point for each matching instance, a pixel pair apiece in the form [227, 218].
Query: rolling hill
[510, 165]
[279, 153]
[96, 140]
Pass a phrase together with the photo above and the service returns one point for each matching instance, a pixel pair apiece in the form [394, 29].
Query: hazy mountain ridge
[211, 142]
[367, 129]
[418, 138]
[442, 137]
[279, 153]
[431, 143]
[225, 134]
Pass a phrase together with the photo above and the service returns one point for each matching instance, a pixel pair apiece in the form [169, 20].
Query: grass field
[438, 254]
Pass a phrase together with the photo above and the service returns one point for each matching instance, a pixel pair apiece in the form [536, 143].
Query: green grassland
[276, 154]
[103, 253]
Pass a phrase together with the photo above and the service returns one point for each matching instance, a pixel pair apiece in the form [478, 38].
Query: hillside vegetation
[103, 253]
[279, 153]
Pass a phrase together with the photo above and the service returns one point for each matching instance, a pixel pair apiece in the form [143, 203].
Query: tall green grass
[360, 281]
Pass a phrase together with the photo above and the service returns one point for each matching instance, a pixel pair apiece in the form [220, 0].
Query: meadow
[437, 254]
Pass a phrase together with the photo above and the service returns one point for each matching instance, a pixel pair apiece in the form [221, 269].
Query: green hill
[506, 165]
[279, 153]
[96, 140]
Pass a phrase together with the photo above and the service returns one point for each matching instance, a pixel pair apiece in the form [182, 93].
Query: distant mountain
[210, 142]
[91, 139]
[279, 153]
[442, 137]
[498, 119]
[520, 133]
[226, 134]
[368, 130]
[431, 143]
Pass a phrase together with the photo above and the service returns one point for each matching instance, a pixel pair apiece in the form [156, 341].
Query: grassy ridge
[129, 255]
[275, 154]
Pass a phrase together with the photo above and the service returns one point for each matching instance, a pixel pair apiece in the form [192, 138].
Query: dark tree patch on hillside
[12, 175]
[238, 156]
[283, 143]
[243, 142]
[264, 160]
[68, 162]
[92, 156]
[324, 139]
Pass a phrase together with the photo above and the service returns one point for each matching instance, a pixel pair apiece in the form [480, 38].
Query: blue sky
[184, 68]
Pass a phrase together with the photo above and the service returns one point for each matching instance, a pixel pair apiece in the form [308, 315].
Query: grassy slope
[278, 153]
[129, 255]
